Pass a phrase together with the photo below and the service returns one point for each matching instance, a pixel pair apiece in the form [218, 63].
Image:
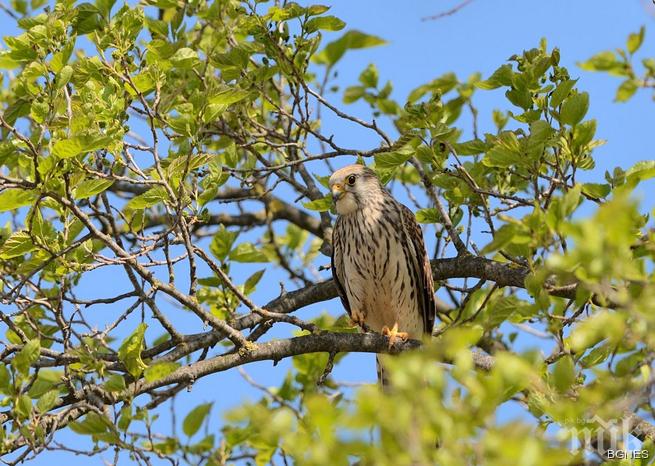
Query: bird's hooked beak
[337, 192]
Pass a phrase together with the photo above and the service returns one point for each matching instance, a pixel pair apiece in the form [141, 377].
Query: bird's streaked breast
[373, 248]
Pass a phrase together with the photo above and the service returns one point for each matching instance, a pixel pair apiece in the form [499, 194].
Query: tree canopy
[180, 149]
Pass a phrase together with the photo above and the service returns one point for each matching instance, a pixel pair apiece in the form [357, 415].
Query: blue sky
[480, 37]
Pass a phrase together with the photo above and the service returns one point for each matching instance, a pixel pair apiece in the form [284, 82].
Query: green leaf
[505, 152]
[439, 86]
[228, 96]
[540, 133]
[67, 148]
[596, 190]
[504, 235]
[327, 23]
[39, 111]
[90, 188]
[649, 64]
[640, 171]
[222, 243]
[626, 90]
[472, 147]
[584, 133]
[14, 198]
[60, 59]
[125, 418]
[6, 62]
[564, 373]
[296, 236]
[247, 252]
[503, 158]
[17, 244]
[571, 200]
[205, 445]
[635, 40]
[384, 175]
[574, 109]
[64, 76]
[520, 97]
[195, 418]
[87, 20]
[353, 94]
[27, 356]
[92, 424]
[317, 10]
[596, 356]
[151, 197]
[425, 154]
[24, 406]
[289, 11]
[320, 205]
[184, 58]
[561, 92]
[212, 111]
[46, 380]
[604, 61]
[429, 215]
[251, 283]
[41, 385]
[16, 110]
[40, 230]
[390, 160]
[369, 77]
[594, 329]
[115, 383]
[47, 401]
[129, 352]
[501, 310]
[143, 82]
[164, 3]
[179, 165]
[5, 379]
[170, 446]
[309, 367]
[265, 455]
[333, 51]
[160, 370]
[501, 77]
[500, 119]
[629, 364]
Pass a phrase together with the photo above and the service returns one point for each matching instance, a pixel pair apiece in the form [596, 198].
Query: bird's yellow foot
[355, 322]
[394, 335]
[357, 319]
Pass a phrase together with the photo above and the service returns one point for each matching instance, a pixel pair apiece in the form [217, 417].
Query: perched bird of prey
[379, 261]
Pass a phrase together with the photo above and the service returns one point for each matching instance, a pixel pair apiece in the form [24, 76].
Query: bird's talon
[354, 322]
[394, 335]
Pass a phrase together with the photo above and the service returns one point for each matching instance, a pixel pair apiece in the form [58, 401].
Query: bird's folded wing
[423, 270]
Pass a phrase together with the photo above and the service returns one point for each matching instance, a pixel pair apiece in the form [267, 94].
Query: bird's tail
[383, 380]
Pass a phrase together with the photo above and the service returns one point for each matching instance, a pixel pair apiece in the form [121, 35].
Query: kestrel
[379, 261]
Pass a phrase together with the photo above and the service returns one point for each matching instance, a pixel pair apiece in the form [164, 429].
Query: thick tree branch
[273, 351]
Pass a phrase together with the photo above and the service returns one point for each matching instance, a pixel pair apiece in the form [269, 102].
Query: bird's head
[352, 187]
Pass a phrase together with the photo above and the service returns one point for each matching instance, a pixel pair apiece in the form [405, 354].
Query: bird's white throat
[347, 204]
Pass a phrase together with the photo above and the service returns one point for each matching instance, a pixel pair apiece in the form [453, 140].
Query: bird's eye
[351, 180]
